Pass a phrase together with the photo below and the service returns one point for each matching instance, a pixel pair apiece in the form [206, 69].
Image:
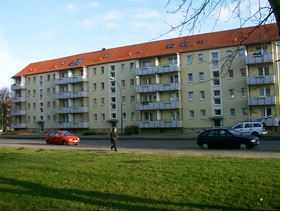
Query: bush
[131, 130]
[90, 132]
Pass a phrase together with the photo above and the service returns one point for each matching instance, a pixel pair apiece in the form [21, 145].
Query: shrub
[131, 130]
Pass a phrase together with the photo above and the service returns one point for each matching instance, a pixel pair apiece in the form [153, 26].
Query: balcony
[257, 58]
[71, 125]
[17, 87]
[259, 80]
[19, 126]
[18, 112]
[157, 70]
[74, 79]
[70, 95]
[161, 105]
[73, 110]
[19, 99]
[262, 100]
[160, 124]
[157, 87]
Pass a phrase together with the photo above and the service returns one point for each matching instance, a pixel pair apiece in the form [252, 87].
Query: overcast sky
[32, 30]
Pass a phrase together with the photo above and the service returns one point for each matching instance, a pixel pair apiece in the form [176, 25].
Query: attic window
[183, 44]
[200, 42]
[75, 62]
[170, 46]
[106, 56]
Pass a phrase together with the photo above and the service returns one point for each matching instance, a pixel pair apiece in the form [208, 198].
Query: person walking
[113, 138]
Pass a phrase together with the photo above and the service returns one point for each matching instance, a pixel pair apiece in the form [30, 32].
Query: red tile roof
[240, 36]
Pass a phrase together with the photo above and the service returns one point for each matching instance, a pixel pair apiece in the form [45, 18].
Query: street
[150, 145]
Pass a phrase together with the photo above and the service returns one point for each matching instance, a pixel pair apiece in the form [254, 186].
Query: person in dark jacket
[113, 138]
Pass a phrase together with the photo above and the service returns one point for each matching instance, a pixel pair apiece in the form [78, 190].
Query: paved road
[171, 145]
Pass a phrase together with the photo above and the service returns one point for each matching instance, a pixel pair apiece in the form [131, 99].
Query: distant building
[176, 85]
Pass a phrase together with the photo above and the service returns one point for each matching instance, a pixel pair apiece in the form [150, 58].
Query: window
[189, 59]
[232, 111]
[132, 99]
[231, 93]
[264, 91]
[54, 104]
[217, 93]
[172, 60]
[122, 67]
[123, 99]
[241, 51]
[113, 90]
[244, 111]
[124, 115]
[102, 85]
[267, 112]
[48, 91]
[49, 117]
[102, 70]
[113, 115]
[201, 76]
[243, 91]
[48, 77]
[95, 101]
[243, 72]
[230, 73]
[123, 83]
[248, 125]
[132, 66]
[203, 112]
[217, 101]
[215, 59]
[113, 99]
[113, 106]
[34, 79]
[113, 83]
[54, 117]
[48, 104]
[132, 116]
[34, 92]
[191, 113]
[112, 74]
[54, 90]
[102, 100]
[202, 95]
[216, 74]
[95, 116]
[200, 58]
[34, 118]
[239, 126]
[34, 105]
[103, 116]
[190, 95]
[95, 71]
[41, 78]
[112, 68]
[132, 82]
[190, 77]
[217, 112]
[216, 81]
[229, 53]
[95, 86]
[28, 105]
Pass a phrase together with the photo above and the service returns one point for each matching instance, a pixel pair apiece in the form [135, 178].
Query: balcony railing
[74, 79]
[258, 80]
[73, 110]
[161, 105]
[157, 69]
[257, 58]
[157, 87]
[17, 87]
[66, 95]
[18, 99]
[19, 126]
[69, 125]
[18, 112]
[262, 100]
[160, 124]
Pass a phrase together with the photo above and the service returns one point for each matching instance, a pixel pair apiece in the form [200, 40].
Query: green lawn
[87, 180]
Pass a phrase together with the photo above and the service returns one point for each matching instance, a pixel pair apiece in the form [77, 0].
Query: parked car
[61, 137]
[225, 138]
[250, 128]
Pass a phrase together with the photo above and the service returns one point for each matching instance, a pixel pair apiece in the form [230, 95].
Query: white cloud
[71, 7]
[89, 23]
[93, 4]
[8, 63]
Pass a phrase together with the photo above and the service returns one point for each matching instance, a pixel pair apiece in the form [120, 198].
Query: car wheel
[205, 146]
[243, 146]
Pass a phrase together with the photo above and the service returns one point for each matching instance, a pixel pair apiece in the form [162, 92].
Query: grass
[85, 180]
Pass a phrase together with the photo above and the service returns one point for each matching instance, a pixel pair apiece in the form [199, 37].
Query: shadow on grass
[97, 199]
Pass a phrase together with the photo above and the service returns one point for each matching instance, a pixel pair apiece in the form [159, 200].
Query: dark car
[225, 138]
[61, 137]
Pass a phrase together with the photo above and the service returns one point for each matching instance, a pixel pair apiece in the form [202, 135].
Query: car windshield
[66, 133]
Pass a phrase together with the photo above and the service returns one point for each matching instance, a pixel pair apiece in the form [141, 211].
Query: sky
[34, 30]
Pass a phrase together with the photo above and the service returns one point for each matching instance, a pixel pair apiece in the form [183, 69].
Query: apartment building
[178, 85]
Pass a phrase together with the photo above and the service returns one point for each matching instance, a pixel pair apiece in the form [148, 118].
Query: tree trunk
[275, 5]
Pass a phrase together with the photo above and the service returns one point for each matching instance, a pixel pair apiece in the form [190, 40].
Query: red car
[61, 137]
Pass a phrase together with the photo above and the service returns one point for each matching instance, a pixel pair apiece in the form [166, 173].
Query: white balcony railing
[19, 125]
[161, 105]
[18, 112]
[262, 100]
[157, 69]
[157, 87]
[18, 99]
[160, 124]
[258, 80]
[73, 110]
[74, 79]
[66, 95]
[257, 58]
[17, 87]
[69, 125]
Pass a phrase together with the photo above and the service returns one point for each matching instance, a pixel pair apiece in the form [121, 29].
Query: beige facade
[179, 92]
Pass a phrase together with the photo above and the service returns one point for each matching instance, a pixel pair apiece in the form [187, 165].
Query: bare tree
[4, 107]
[193, 12]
